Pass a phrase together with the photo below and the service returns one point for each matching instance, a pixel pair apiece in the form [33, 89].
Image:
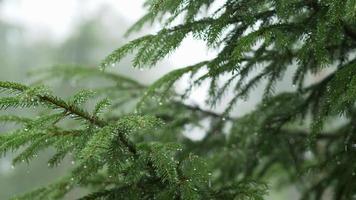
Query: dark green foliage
[126, 151]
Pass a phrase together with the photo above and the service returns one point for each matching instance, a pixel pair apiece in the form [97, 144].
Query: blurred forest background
[93, 36]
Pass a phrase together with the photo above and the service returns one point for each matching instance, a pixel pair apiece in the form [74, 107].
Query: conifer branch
[129, 156]
[71, 109]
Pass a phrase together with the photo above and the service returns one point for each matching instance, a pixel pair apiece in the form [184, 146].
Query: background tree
[124, 150]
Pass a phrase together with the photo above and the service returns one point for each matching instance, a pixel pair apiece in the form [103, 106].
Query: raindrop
[72, 179]
[12, 167]
[308, 155]
[85, 166]
[223, 118]
[73, 162]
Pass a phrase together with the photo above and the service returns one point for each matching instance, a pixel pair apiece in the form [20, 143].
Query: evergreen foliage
[140, 153]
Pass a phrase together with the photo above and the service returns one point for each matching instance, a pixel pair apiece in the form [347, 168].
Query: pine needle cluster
[123, 151]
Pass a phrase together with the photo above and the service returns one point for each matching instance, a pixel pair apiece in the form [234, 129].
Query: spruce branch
[132, 156]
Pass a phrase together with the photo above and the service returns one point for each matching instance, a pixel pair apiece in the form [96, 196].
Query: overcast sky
[59, 16]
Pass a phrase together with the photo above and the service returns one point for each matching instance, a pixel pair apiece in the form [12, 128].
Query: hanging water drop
[209, 181]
